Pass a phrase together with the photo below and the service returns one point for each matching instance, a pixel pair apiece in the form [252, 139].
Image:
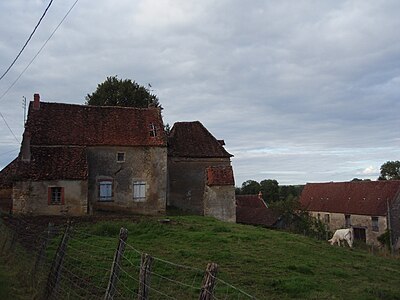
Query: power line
[9, 128]
[26, 43]
[40, 50]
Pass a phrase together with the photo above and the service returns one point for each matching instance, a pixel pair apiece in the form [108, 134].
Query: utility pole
[24, 107]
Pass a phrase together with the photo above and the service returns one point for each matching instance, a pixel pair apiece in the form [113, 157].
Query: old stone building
[199, 172]
[370, 207]
[79, 159]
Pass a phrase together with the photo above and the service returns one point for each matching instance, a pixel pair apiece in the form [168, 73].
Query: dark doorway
[359, 234]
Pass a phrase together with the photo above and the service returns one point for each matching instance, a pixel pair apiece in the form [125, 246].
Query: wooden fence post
[207, 287]
[115, 268]
[144, 276]
[42, 250]
[55, 271]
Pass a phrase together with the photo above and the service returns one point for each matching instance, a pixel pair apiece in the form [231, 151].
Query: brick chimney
[36, 101]
[26, 147]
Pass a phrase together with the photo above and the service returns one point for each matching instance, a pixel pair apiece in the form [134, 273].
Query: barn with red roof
[370, 207]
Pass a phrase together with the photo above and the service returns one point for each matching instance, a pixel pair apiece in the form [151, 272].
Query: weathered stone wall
[219, 202]
[337, 221]
[187, 181]
[147, 164]
[6, 199]
[31, 197]
[395, 221]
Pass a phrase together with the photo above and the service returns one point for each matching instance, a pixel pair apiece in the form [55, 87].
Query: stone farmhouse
[370, 207]
[80, 159]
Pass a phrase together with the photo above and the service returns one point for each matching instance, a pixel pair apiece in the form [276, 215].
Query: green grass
[264, 263]
[267, 264]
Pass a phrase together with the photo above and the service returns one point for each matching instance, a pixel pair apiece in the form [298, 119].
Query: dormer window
[120, 156]
[153, 130]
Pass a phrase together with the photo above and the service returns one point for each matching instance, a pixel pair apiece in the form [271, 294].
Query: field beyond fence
[185, 258]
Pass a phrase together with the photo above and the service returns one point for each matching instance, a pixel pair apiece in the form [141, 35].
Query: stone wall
[6, 199]
[395, 221]
[337, 221]
[145, 164]
[219, 202]
[186, 178]
[31, 197]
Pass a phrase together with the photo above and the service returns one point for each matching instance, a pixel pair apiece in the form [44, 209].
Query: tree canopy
[118, 92]
[390, 170]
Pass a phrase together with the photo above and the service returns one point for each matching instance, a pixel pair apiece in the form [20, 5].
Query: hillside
[266, 264]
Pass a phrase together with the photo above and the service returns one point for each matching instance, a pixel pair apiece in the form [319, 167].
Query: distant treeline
[270, 189]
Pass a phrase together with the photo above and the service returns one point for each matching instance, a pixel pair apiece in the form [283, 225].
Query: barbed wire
[88, 259]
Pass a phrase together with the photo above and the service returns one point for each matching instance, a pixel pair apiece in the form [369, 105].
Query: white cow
[343, 235]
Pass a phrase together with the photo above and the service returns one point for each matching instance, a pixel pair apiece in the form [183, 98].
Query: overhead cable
[40, 50]
[26, 43]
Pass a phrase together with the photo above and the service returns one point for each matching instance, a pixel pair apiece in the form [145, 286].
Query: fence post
[207, 287]
[42, 250]
[115, 268]
[55, 271]
[144, 276]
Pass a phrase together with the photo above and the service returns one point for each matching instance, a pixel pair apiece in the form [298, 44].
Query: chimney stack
[26, 147]
[36, 101]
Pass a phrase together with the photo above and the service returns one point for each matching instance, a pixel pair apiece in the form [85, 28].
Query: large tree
[270, 190]
[118, 92]
[390, 170]
[250, 187]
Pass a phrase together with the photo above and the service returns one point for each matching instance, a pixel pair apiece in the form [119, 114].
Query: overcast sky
[301, 91]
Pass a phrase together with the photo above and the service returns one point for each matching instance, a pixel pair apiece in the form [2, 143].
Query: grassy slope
[265, 263]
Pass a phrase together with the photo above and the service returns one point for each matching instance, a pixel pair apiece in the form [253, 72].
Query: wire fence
[64, 262]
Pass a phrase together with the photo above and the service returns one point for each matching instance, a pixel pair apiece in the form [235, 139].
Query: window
[327, 218]
[375, 223]
[120, 156]
[55, 195]
[318, 216]
[153, 130]
[347, 221]
[105, 190]
[139, 191]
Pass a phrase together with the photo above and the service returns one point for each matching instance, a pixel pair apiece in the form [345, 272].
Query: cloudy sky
[301, 91]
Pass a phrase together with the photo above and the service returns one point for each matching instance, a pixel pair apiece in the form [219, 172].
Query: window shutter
[62, 196]
[49, 195]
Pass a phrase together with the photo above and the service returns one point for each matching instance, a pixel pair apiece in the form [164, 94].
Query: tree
[390, 170]
[270, 190]
[250, 187]
[118, 92]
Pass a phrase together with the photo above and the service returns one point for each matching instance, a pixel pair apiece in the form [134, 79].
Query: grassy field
[266, 264]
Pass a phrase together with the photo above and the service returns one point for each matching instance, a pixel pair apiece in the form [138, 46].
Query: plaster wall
[31, 197]
[219, 202]
[148, 164]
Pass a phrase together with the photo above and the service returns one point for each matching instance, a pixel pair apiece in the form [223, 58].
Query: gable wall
[31, 197]
[147, 164]
[186, 178]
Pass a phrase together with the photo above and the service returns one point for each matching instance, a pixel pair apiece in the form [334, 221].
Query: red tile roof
[220, 175]
[252, 210]
[54, 163]
[358, 197]
[192, 139]
[8, 173]
[84, 125]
